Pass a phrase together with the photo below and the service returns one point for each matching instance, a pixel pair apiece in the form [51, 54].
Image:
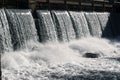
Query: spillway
[59, 45]
[80, 24]
[22, 27]
[47, 30]
[105, 24]
[64, 25]
[5, 38]
[94, 24]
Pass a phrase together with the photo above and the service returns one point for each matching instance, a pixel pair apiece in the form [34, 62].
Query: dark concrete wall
[88, 5]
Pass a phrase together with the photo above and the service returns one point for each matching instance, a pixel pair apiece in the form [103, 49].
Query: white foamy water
[50, 61]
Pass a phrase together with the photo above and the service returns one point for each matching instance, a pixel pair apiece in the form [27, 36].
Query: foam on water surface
[45, 61]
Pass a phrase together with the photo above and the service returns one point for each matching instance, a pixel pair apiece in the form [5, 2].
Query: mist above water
[45, 56]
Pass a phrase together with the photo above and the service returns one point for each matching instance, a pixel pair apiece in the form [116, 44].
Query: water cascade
[5, 37]
[64, 25]
[46, 28]
[22, 27]
[105, 24]
[80, 24]
[89, 57]
[94, 24]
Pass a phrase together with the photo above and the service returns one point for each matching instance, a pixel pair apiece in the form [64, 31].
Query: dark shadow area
[108, 32]
[14, 4]
[91, 55]
[37, 23]
[112, 28]
[115, 23]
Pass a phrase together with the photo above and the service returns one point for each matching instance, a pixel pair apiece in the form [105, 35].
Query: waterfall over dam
[18, 26]
[46, 27]
[64, 25]
[59, 45]
[80, 24]
[22, 27]
[5, 38]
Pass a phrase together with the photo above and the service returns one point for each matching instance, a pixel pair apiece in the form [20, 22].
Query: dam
[60, 39]
[54, 25]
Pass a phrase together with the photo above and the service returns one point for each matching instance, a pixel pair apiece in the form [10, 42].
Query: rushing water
[94, 24]
[64, 25]
[5, 38]
[64, 61]
[47, 29]
[105, 24]
[80, 24]
[61, 56]
[21, 26]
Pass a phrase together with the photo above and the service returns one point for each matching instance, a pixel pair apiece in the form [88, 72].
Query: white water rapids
[62, 61]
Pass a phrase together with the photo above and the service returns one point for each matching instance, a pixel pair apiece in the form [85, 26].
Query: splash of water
[41, 61]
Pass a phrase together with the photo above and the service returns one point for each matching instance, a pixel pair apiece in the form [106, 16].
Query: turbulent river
[64, 61]
[59, 45]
